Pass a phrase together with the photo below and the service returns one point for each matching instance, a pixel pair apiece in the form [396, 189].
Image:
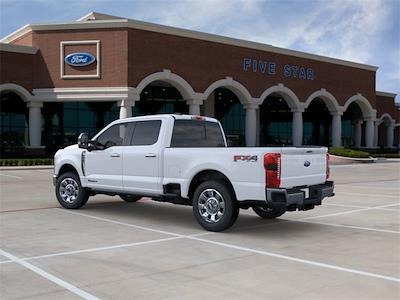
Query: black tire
[221, 199]
[66, 185]
[130, 198]
[268, 213]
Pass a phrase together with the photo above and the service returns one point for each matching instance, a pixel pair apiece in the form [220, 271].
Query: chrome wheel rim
[211, 206]
[69, 190]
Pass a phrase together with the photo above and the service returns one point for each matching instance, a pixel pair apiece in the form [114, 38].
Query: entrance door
[103, 166]
[142, 159]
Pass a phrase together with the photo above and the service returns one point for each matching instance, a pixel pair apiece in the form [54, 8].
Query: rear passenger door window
[145, 133]
[191, 134]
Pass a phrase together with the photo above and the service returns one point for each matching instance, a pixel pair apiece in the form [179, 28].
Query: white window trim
[62, 53]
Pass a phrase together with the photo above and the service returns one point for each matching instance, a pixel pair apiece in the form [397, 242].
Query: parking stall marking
[11, 176]
[368, 181]
[351, 211]
[322, 223]
[359, 206]
[368, 195]
[350, 226]
[120, 223]
[179, 236]
[299, 260]
[90, 250]
[276, 255]
[27, 209]
[50, 277]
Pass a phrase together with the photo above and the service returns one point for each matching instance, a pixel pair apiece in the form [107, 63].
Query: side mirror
[83, 140]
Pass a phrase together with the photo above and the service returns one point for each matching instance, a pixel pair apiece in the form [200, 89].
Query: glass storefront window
[317, 123]
[63, 122]
[275, 122]
[14, 125]
[160, 100]
[347, 133]
[232, 115]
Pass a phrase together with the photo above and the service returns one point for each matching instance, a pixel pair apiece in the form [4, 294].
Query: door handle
[150, 155]
[115, 155]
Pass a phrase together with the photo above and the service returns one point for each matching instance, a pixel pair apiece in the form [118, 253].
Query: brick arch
[19, 90]
[235, 86]
[329, 100]
[363, 103]
[177, 81]
[290, 97]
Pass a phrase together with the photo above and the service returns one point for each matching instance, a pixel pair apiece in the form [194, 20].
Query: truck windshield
[190, 133]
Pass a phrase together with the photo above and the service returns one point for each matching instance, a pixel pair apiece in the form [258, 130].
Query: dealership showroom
[61, 79]
[58, 80]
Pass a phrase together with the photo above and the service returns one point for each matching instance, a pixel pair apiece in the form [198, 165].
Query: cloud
[351, 30]
[365, 31]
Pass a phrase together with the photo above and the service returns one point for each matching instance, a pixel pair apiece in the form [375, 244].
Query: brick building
[60, 79]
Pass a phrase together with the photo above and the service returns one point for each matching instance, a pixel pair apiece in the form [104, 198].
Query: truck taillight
[272, 166]
[327, 167]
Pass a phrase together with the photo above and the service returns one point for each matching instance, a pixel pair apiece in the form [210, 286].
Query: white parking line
[349, 226]
[321, 223]
[359, 206]
[119, 223]
[338, 193]
[300, 260]
[44, 171]
[351, 211]
[49, 276]
[11, 176]
[89, 250]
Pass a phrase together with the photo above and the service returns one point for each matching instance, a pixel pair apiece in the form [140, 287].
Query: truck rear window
[189, 133]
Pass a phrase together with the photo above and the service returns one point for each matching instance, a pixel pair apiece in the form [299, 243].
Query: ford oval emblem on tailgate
[307, 163]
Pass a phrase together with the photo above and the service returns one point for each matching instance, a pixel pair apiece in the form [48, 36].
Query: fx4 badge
[248, 158]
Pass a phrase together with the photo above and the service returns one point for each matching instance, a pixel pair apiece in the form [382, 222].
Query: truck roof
[165, 116]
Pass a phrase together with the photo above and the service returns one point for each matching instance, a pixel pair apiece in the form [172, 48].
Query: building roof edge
[18, 48]
[135, 24]
[386, 94]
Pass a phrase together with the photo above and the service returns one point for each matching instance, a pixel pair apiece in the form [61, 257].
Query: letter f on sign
[246, 64]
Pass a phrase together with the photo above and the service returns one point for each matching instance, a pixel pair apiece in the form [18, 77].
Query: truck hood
[72, 147]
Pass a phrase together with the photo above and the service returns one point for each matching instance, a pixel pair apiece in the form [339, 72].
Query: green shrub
[25, 161]
[348, 153]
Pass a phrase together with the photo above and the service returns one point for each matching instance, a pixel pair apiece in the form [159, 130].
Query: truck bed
[300, 166]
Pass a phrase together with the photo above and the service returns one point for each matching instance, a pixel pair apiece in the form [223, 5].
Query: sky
[365, 31]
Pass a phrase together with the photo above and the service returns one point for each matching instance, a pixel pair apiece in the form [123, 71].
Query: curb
[16, 168]
[340, 160]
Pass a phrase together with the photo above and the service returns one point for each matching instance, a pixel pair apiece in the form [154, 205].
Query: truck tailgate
[303, 166]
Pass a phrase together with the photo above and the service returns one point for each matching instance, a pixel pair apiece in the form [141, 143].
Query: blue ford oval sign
[307, 163]
[79, 59]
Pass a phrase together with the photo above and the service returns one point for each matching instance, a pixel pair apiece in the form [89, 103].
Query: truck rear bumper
[299, 198]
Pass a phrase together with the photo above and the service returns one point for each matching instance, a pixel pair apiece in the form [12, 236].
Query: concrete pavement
[346, 249]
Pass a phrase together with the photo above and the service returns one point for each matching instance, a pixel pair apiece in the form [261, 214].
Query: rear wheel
[130, 198]
[70, 194]
[214, 206]
[268, 213]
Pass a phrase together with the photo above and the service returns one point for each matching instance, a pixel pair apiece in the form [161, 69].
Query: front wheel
[214, 206]
[70, 194]
[268, 213]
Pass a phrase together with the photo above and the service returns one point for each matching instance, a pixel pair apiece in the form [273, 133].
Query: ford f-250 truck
[184, 159]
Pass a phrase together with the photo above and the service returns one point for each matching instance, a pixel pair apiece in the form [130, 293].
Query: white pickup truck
[184, 159]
